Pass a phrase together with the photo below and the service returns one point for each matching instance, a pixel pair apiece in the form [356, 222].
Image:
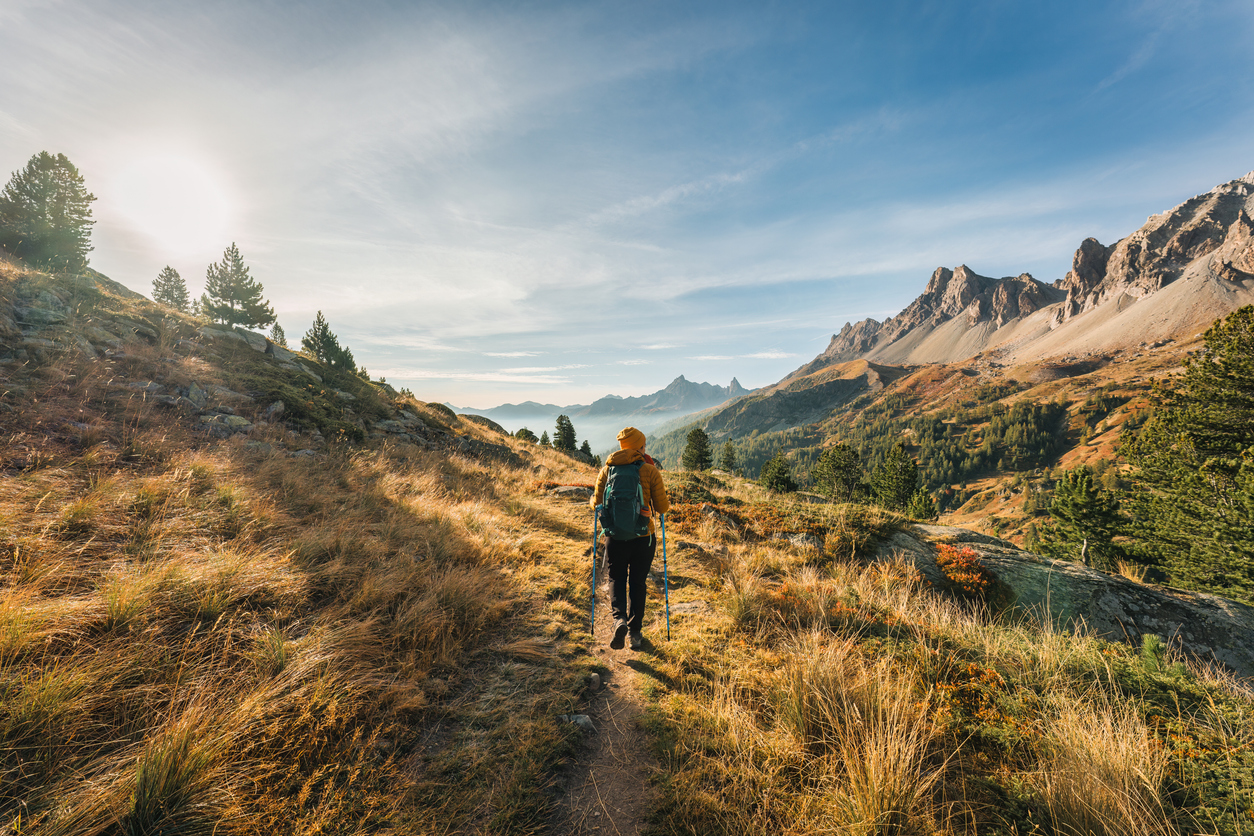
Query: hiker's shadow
[643, 667]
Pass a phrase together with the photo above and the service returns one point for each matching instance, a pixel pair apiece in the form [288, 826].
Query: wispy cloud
[632, 362]
[510, 353]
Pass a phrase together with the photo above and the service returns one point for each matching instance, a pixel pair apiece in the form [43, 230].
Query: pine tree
[325, 347]
[586, 448]
[564, 435]
[727, 457]
[921, 506]
[170, 289]
[895, 480]
[838, 473]
[777, 474]
[45, 214]
[277, 336]
[1194, 460]
[1085, 520]
[697, 455]
[526, 435]
[232, 296]
[544, 439]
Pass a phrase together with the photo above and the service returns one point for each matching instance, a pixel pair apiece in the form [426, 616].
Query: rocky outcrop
[950, 294]
[1073, 596]
[1214, 228]
[1161, 251]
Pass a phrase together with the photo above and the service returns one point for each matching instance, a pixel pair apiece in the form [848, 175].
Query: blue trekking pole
[666, 581]
[593, 619]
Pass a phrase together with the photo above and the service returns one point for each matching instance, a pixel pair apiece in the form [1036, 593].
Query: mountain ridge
[1207, 240]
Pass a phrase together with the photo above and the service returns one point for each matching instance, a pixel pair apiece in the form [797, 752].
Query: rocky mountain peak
[1159, 252]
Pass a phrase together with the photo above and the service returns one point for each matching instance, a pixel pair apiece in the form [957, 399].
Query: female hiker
[629, 493]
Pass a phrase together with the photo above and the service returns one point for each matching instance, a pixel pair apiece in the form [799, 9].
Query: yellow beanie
[631, 438]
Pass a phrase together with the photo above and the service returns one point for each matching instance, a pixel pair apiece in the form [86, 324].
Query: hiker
[631, 558]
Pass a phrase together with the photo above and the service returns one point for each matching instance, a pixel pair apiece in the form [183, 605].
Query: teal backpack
[620, 510]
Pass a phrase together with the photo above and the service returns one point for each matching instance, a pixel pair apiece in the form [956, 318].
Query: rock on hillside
[1206, 627]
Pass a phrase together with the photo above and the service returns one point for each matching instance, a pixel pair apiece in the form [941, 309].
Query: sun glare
[175, 200]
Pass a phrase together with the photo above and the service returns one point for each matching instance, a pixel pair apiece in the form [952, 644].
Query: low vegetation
[813, 689]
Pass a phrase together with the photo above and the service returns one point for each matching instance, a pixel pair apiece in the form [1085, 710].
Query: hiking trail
[608, 787]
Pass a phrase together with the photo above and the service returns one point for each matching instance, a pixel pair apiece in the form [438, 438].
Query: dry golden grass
[197, 637]
[829, 695]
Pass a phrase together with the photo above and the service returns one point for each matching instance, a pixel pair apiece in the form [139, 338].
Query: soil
[609, 789]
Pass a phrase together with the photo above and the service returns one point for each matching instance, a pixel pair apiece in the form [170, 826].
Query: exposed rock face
[1213, 230]
[1159, 252]
[1206, 627]
[950, 294]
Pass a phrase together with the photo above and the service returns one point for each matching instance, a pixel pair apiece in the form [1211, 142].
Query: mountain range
[601, 420]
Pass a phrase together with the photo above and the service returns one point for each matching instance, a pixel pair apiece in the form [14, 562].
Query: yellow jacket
[651, 485]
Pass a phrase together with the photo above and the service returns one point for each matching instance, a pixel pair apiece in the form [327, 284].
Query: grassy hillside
[277, 632]
[811, 690]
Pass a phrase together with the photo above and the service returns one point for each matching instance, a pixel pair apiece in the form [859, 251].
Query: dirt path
[608, 789]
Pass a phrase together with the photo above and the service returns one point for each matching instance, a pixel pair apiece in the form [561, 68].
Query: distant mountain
[601, 420]
[682, 395]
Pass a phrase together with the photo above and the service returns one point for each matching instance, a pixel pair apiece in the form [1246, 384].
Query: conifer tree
[325, 347]
[1194, 460]
[564, 435]
[544, 439]
[232, 296]
[777, 474]
[727, 457]
[697, 455]
[586, 448]
[45, 214]
[896, 479]
[170, 289]
[838, 473]
[921, 506]
[526, 435]
[277, 336]
[1085, 520]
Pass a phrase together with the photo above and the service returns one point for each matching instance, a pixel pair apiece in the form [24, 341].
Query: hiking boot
[620, 632]
[637, 641]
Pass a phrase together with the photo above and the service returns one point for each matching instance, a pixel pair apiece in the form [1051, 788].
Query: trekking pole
[666, 581]
[593, 618]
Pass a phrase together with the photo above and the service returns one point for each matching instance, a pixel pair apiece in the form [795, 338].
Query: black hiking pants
[630, 561]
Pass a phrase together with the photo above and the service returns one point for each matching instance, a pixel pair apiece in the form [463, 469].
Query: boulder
[254, 340]
[280, 353]
[574, 493]
[197, 395]
[38, 317]
[1073, 596]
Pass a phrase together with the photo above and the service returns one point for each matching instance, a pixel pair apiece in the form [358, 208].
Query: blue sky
[496, 202]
